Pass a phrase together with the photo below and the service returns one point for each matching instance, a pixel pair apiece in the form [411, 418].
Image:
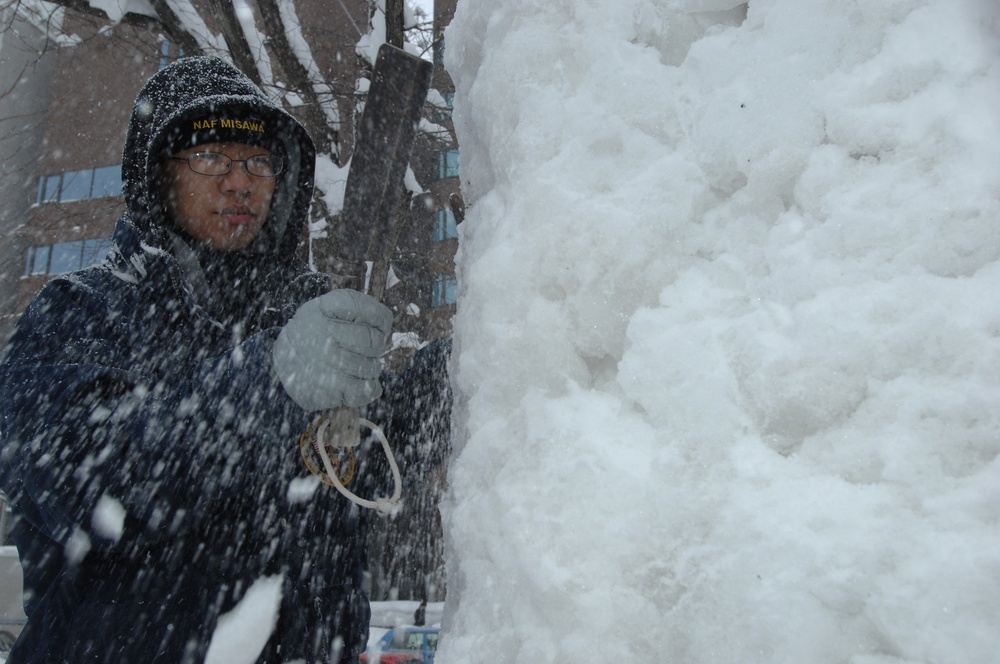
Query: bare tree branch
[323, 134]
[174, 28]
[236, 41]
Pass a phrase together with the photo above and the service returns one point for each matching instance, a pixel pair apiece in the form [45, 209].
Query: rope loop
[384, 506]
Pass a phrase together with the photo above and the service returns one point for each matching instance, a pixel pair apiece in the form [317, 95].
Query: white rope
[383, 506]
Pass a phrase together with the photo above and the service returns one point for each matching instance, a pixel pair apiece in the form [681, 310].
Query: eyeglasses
[213, 163]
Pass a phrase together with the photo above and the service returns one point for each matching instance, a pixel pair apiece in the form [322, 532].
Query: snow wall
[728, 332]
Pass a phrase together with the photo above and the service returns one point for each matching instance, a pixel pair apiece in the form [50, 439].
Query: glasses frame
[277, 162]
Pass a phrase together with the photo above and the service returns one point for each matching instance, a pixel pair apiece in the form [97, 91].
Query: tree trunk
[394, 22]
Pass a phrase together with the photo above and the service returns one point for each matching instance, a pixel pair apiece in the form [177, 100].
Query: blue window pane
[38, 260]
[95, 251]
[448, 164]
[444, 292]
[81, 185]
[107, 181]
[445, 114]
[439, 53]
[444, 226]
[49, 188]
[66, 257]
[76, 185]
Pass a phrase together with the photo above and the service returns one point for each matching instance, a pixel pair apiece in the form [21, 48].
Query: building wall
[92, 91]
[85, 117]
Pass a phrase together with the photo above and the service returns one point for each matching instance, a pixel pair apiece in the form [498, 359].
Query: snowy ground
[728, 332]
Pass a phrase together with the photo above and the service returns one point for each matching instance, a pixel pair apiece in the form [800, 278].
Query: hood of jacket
[205, 99]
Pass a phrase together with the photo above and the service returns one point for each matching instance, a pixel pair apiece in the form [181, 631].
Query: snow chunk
[242, 633]
[77, 546]
[301, 489]
[109, 518]
[406, 340]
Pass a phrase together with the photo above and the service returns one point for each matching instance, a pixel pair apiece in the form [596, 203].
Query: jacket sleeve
[100, 446]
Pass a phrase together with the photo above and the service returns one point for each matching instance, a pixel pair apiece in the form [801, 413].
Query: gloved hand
[327, 355]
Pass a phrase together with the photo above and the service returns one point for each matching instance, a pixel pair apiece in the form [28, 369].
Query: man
[151, 430]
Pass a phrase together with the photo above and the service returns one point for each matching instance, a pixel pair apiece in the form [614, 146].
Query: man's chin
[231, 243]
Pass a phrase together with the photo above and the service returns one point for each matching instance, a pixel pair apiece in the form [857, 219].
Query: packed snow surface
[728, 332]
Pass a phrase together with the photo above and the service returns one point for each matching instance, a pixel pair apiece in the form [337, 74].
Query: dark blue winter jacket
[152, 458]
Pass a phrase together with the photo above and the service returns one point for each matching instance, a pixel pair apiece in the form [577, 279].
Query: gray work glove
[328, 354]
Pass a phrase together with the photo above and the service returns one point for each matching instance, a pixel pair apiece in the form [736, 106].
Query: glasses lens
[264, 166]
[209, 163]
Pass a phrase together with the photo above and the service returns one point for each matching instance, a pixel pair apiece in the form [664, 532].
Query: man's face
[224, 211]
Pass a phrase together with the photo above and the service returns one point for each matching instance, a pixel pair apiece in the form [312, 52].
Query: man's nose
[238, 178]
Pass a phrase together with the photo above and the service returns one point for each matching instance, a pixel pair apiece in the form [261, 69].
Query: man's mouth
[238, 214]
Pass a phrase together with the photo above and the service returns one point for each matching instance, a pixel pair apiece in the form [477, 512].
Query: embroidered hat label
[229, 123]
